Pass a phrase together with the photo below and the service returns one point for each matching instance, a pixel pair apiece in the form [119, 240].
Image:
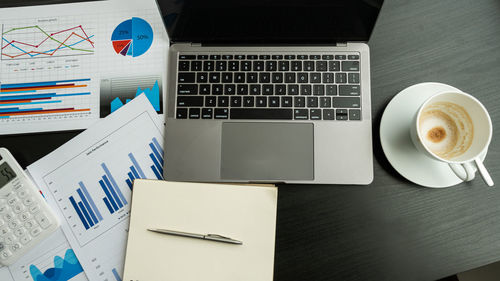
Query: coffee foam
[446, 129]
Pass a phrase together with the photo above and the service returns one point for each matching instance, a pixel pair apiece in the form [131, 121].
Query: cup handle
[484, 173]
[464, 171]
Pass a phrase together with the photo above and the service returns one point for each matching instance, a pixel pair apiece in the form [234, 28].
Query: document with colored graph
[62, 67]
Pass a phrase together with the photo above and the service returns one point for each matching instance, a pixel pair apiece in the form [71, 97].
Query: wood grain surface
[391, 229]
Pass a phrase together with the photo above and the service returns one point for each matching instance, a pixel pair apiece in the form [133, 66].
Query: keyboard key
[340, 57]
[353, 78]
[264, 77]
[227, 57]
[328, 114]
[233, 65]
[325, 102]
[299, 102]
[271, 65]
[289, 57]
[261, 102]
[248, 101]
[235, 101]
[217, 89]
[327, 57]
[252, 77]
[194, 113]
[196, 65]
[255, 89]
[223, 101]
[239, 57]
[239, 77]
[331, 90]
[315, 77]
[252, 57]
[280, 89]
[301, 114]
[296, 66]
[187, 89]
[201, 77]
[305, 90]
[341, 77]
[264, 57]
[203, 57]
[286, 101]
[319, 90]
[334, 65]
[210, 101]
[346, 102]
[315, 57]
[183, 65]
[350, 66]
[302, 57]
[187, 57]
[227, 77]
[208, 65]
[341, 114]
[293, 90]
[277, 57]
[354, 114]
[204, 89]
[261, 113]
[274, 101]
[267, 90]
[349, 90]
[353, 57]
[309, 65]
[277, 77]
[283, 66]
[242, 89]
[215, 57]
[246, 66]
[190, 101]
[215, 77]
[221, 113]
[207, 113]
[315, 114]
[185, 77]
[303, 77]
[290, 77]
[229, 89]
[258, 66]
[312, 102]
[321, 65]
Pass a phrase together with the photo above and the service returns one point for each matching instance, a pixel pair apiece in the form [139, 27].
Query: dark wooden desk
[391, 229]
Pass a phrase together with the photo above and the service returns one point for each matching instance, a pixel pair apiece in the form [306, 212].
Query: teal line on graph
[152, 94]
[63, 270]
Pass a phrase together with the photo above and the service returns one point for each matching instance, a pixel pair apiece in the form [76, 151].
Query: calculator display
[6, 174]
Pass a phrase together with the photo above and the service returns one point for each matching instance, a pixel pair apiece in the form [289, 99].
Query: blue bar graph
[157, 158]
[38, 84]
[106, 201]
[114, 199]
[86, 209]
[117, 276]
[108, 197]
[118, 191]
[136, 165]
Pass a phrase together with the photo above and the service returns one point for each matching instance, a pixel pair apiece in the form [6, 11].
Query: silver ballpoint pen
[211, 237]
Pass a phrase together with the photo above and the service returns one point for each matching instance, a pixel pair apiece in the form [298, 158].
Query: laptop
[269, 91]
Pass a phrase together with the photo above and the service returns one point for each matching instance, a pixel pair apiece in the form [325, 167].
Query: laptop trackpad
[267, 151]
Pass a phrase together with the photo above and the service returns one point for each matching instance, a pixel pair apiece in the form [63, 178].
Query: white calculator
[25, 217]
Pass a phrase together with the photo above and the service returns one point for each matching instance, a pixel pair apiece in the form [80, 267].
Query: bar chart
[86, 209]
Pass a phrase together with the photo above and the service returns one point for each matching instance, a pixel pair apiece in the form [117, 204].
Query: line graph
[34, 41]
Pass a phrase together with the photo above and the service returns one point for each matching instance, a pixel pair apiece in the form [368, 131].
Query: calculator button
[15, 247]
[10, 239]
[9, 216]
[18, 208]
[30, 224]
[11, 195]
[13, 224]
[5, 254]
[28, 201]
[42, 220]
[24, 216]
[36, 231]
[34, 208]
[18, 186]
[4, 230]
[20, 232]
[22, 193]
[12, 201]
[25, 239]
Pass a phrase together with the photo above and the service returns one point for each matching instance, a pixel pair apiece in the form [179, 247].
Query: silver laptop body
[233, 143]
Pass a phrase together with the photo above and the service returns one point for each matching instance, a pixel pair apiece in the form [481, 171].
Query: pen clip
[218, 236]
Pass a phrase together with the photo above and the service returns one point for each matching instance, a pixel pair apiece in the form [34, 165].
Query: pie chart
[132, 37]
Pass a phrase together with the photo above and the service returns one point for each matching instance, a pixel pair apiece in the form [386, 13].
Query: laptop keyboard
[269, 87]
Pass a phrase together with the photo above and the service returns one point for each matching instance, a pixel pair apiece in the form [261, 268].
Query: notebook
[242, 212]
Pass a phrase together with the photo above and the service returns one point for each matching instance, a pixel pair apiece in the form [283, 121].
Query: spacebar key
[261, 113]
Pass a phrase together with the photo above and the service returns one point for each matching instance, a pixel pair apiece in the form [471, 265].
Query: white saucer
[397, 144]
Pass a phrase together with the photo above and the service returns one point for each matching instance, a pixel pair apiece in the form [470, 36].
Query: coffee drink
[446, 129]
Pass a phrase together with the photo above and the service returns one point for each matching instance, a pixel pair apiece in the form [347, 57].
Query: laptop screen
[269, 21]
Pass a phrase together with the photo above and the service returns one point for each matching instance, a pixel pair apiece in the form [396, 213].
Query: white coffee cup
[455, 128]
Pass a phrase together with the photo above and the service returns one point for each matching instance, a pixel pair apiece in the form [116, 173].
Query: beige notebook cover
[242, 212]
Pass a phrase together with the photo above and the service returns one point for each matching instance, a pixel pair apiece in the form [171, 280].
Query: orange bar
[46, 88]
[44, 112]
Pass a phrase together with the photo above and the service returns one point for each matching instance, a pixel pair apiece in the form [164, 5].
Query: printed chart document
[88, 181]
[65, 66]
[52, 260]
